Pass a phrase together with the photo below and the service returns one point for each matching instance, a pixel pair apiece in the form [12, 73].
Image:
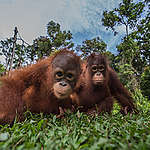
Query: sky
[81, 17]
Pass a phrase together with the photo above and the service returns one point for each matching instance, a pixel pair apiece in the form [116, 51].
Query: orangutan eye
[70, 76]
[101, 68]
[94, 68]
[59, 75]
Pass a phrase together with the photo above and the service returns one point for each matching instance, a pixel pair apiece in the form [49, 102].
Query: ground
[81, 132]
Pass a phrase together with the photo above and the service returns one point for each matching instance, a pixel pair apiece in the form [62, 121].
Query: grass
[81, 132]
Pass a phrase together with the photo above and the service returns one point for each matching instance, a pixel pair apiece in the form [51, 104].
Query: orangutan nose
[63, 83]
[98, 73]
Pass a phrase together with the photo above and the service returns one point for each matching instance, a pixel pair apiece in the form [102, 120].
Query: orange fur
[101, 98]
[31, 88]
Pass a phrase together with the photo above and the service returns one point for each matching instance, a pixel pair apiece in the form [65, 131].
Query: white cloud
[71, 17]
[32, 16]
[29, 16]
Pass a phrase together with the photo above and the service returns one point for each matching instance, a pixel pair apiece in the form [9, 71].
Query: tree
[55, 39]
[142, 35]
[23, 54]
[145, 82]
[131, 56]
[19, 58]
[129, 62]
[127, 14]
[90, 46]
[111, 59]
[129, 52]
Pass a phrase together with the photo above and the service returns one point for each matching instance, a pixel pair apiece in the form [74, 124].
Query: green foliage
[56, 39]
[79, 131]
[136, 21]
[143, 36]
[129, 63]
[42, 46]
[2, 69]
[129, 52]
[145, 82]
[128, 76]
[6, 47]
[110, 57]
[142, 102]
[128, 49]
[90, 46]
[127, 14]
[110, 20]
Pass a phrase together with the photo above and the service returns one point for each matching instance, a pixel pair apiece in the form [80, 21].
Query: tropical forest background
[131, 62]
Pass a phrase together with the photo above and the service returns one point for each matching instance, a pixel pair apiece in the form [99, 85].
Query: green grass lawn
[79, 131]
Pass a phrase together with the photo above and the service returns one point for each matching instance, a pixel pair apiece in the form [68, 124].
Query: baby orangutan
[42, 87]
[98, 86]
